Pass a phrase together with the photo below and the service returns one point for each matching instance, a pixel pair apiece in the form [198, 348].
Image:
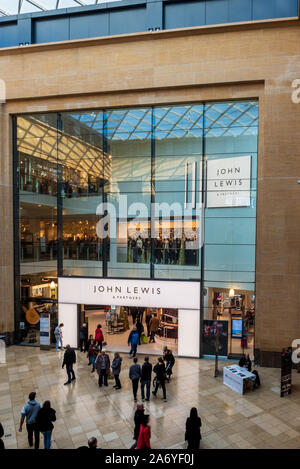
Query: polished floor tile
[259, 419]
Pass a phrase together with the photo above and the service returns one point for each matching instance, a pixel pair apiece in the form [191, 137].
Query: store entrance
[235, 312]
[117, 322]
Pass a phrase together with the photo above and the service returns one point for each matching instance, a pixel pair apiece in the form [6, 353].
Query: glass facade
[147, 193]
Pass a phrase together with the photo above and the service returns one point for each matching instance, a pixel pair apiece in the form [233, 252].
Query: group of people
[39, 419]
[137, 334]
[143, 374]
[142, 429]
[170, 251]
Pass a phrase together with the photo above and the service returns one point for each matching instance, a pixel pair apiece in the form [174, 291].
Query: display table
[236, 378]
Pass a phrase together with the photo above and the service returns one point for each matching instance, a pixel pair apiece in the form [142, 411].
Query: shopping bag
[144, 339]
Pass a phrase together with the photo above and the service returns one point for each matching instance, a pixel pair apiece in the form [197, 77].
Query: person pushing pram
[170, 361]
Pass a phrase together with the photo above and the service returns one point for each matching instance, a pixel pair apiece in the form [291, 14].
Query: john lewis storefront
[164, 195]
[157, 116]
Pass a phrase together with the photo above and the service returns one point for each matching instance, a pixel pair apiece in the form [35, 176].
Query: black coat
[83, 333]
[244, 362]
[192, 432]
[44, 419]
[69, 357]
[169, 359]
[160, 371]
[146, 371]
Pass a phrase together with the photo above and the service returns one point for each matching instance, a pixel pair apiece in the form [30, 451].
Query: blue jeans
[148, 385]
[47, 439]
[92, 361]
[58, 341]
[70, 373]
[133, 350]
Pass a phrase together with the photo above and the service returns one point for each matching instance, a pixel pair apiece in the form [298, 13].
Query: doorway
[117, 322]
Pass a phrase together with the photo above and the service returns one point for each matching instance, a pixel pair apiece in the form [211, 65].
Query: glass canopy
[14, 7]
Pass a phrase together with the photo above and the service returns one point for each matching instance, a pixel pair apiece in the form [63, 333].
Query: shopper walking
[135, 374]
[133, 341]
[69, 361]
[153, 325]
[99, 338]
[29, 412]
[148, 317]
[83, 337]
[160, 371]
[192, 429]
[143, 441]
[102, 365]
[58, 336]
[138, 419]
[92, 355]
[46, 415]
[170, 361]
[116, 369]
[146, 379]
[140, 329]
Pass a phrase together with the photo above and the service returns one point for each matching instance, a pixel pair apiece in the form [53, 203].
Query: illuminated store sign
[122, 292]
[228, 182]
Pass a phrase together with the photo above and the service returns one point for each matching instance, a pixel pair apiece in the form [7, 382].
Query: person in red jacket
[143, 441]
[99, 336]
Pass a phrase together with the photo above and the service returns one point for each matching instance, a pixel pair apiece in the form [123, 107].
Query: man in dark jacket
[148, 317]
[83, 337]
[146, 379]
[170, 361]
[135, 373]
[69, 360]
[160, 371]
[138, 419]
[116, 369]
[102, 365]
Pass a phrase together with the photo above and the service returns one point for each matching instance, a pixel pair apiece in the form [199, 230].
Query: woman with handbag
[192, 429]
[143, 441]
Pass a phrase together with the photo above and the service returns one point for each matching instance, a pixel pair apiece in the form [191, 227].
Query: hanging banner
[228, 182]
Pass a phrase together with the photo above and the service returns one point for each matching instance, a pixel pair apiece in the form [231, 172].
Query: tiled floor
[259, 419]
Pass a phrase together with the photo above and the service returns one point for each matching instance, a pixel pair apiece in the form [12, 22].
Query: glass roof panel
[14, 7]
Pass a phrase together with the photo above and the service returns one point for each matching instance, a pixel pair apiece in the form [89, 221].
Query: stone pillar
[6, 229]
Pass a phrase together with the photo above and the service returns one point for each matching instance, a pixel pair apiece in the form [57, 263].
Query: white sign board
[228, 182]
[234, 377]
[45, 329]
[123, 292]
